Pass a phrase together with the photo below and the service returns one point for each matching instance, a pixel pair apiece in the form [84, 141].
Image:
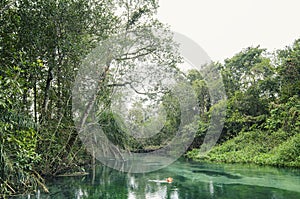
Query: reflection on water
[211, 188]
[191, 180]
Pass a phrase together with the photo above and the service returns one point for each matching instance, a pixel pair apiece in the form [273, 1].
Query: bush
[288, 153]
[258, 147]
[18, 158]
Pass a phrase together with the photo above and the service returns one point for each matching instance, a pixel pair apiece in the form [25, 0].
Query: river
[190, 180]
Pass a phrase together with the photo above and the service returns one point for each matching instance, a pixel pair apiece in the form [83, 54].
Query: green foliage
[276, 149]
[203, 98]
[287, 154]
[18, 146]
[274, 142]
[263, 112]
[249, 95]
[42, 44]
[125, 137]
[284, 116]
[112, 129]
[241, 71]
[289, 71]
[18, 142]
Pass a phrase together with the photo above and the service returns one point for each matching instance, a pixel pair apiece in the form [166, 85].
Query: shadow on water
[191, 180]
[217, 173]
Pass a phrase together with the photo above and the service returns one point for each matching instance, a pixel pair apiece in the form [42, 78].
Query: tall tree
[289, 71]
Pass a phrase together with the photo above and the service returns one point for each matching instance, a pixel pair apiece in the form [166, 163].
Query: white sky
[224, 27]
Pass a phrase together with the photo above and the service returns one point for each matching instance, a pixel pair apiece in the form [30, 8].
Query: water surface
[190, 180]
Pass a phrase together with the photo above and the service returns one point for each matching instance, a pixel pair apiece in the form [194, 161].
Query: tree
[42, 44]
[250, 82]
[138, 62]
[288, 64]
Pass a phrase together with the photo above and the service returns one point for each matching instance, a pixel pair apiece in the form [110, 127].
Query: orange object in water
[169, 179]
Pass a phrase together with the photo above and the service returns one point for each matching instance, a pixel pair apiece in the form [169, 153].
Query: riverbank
[279, 149]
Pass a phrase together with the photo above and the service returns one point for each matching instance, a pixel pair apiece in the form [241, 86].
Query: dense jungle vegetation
[262, 118]
[42, 45]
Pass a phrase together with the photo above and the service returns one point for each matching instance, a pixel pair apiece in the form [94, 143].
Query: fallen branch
[73, 174]
[41, 183]
[9, 187]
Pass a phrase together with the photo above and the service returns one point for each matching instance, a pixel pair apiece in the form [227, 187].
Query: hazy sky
[224, 27]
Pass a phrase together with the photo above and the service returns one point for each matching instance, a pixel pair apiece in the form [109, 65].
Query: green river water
[190, 180]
